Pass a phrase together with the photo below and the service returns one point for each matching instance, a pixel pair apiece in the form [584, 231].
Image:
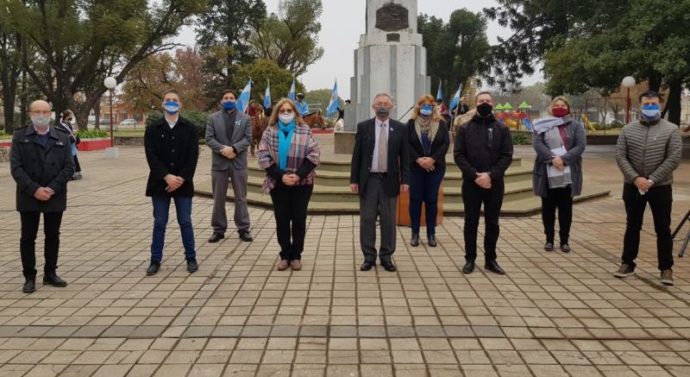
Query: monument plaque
[392, 17]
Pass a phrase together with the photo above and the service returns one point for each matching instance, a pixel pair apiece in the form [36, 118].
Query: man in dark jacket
[172, 151]
[483, 152]
[41, 164]
[380, 170]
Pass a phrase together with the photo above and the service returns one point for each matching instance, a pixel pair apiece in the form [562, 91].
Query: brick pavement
[552, 315]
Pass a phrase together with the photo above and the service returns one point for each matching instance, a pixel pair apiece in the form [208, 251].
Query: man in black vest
[172, 151]
[483, 152]
[379, 171]
[41, 164]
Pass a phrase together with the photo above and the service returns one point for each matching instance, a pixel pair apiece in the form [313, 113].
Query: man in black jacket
[483, 151]
[379, 171]
[172, 151]
[41, 164]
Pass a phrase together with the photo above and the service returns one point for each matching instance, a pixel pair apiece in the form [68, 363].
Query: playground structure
[516, 120]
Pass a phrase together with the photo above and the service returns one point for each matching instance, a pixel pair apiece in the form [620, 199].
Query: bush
[197, 118]
[520, 139]
[91, 134]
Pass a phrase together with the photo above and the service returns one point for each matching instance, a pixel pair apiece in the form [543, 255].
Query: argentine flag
[439, 95]
[292, 94]
[267, 96]
[333, 104]
[246, 94]
[456, 98]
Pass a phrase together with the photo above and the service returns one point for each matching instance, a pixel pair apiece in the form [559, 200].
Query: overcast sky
[342, 23]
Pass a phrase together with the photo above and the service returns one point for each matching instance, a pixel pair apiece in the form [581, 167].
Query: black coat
[439, 146]
[483, 145]
[171, 151]
[34, 166]
[398, 156]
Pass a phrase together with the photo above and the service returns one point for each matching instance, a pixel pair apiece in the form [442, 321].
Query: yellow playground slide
[588, 124]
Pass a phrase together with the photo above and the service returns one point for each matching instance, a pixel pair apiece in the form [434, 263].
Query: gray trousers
[219, 180]
[372, 203]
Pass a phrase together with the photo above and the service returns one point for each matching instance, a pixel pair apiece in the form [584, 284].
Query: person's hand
[294, 179]
[643, 184]
[558, 163]
[174, 182]
[43, 194]
[427, 163]
[354, 187]
[404, 188]
[483, 180]
[228, 152]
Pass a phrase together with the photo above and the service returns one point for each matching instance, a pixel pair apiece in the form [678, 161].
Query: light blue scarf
[285, 134]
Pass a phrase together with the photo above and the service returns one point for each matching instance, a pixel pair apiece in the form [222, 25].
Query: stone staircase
[332, 189]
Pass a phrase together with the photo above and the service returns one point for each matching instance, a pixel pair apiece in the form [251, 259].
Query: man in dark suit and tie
[379, 171]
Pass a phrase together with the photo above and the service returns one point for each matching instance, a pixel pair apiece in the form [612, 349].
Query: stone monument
[390, 58]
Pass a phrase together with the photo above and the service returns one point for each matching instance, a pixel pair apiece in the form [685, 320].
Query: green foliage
[521, 139]
[454, 63]
[92, 134]
[197, 118]
[291, 37]
[322, 96]
[261, 71]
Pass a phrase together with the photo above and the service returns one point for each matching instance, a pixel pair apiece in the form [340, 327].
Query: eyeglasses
[286, 111]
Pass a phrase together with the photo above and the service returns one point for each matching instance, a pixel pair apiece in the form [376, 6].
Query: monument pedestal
[344, 142]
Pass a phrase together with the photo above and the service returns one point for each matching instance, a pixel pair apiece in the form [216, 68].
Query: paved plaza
[551, 315]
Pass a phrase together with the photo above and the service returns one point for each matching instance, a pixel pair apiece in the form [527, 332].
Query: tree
[223, 32]
[261, 71]
[455, 51]
[290, 38]
[79, 43]
[11, 50]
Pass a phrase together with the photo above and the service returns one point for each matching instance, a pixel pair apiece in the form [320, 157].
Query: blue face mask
[426, 110]
[171, 107]
[651, 112]
[229, 105]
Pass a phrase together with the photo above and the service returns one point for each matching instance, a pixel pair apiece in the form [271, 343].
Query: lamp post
[111, 83]
[628, 82]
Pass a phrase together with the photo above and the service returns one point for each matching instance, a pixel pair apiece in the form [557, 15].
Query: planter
[94, 144]
[322, 131]
[5, 143]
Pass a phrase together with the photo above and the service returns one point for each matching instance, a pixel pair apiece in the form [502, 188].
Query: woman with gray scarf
[559, 142]
[429, 140]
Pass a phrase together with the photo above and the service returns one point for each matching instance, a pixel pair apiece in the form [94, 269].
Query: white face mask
[286, 118]
[41, 121]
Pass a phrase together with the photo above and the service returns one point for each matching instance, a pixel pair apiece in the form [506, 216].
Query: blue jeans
[424, 188]
[161, 208]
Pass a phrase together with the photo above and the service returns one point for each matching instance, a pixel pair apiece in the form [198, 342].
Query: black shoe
[29, 285]
[246, 236]
[192, 266]
[389, 266]
[494, 267]
[215, 237]
[54, 280]
[414, 241]
[366, 266]
[153, 268]
[548, 246]
[468, 268]
[432, 240]
[565, 248]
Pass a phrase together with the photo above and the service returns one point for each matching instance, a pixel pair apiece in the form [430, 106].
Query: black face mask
[484, 110]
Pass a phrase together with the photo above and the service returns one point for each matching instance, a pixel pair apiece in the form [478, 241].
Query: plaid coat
[303, 147]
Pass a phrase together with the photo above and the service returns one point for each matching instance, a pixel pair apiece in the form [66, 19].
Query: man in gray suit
[228, 134]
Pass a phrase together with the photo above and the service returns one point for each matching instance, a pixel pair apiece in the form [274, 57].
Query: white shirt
[172, 123]
[377, 132]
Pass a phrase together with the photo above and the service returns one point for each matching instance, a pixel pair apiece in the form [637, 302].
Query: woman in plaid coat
[289, 154]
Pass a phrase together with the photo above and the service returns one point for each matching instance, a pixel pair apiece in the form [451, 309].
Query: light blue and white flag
[455, 101]
[267, 96]
[333, 104]
[292, 94]
[439, 95]
[243, 101]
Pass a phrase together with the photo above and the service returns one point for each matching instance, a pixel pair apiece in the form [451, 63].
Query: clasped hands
[291, 179]
[228, 152]
[44, 193]
[427, 163]
[174, 182]
[643, 184]
[558, 163]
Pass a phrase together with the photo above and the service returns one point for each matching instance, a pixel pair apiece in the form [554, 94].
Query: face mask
[484, 109]
[560, 112]
[229, 105]
[40, 121]
[171, 107]
[651, 112]
[286, 118]
[426, 110]
[383, 112]
[72, 122]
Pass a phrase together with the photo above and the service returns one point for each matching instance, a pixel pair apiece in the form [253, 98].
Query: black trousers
[660, 200]
[561, 199]
[290, 210]
[27, 245]
[473, 197]
[77, 166]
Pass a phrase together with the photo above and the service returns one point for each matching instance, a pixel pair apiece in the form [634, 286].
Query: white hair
[384, 95]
